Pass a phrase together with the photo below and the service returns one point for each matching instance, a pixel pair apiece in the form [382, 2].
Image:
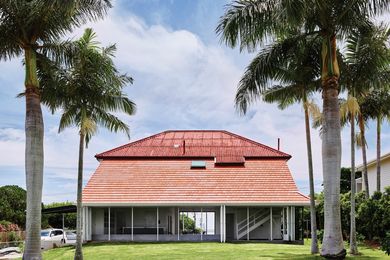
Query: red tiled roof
[154, 181]
[157, 170]
[192, 143]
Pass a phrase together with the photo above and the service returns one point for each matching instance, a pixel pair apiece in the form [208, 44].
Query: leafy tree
[13, 204]
[298, 74]
[345, 179]
[28, 29]
[189, 225]
[385, 245]
[250, 23]
[88, 91]
[370, 215]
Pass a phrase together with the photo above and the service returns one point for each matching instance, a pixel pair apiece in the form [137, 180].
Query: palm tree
[362, 143]
[349, 109]
[376, 105]
[298, 72]
[26, 29]
[87, 92]
[367, 68]
[250, 23]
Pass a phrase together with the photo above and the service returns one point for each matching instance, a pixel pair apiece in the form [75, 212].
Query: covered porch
[221, 223]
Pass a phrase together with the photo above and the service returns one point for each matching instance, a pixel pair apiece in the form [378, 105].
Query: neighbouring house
[371, 174]
[193, 186]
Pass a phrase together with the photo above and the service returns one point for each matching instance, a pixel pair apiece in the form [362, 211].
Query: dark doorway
[229, 227]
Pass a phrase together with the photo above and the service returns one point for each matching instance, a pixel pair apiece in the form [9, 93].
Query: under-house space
[193, 186]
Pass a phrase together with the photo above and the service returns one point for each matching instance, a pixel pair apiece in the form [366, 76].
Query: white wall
[385, 176]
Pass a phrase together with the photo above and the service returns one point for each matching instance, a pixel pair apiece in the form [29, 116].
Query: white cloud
[180, 83]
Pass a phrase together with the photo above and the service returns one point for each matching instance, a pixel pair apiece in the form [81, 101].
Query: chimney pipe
[184, 147]
[278, 144]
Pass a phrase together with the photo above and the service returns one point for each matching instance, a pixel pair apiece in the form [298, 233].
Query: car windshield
[45, 233]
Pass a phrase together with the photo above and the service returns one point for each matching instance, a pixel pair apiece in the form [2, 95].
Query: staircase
[256, 219]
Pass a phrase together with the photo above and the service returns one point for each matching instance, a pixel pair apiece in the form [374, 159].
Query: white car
[51, 238]
[70, 237]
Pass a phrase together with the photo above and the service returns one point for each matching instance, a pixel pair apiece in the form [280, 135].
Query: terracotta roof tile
[193, 144]
[173, 181]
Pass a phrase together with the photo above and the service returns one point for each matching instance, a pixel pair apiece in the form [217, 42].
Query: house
[193, 186]
[371, 174]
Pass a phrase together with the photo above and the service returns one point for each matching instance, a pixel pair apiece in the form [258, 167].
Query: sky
[184, 78]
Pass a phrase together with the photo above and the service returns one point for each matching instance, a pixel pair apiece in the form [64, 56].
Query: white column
[90, 224]
[247, 223]
[178, 224]
[201, 224]
[220, 223]
[157, 223]
[132, 223]
[288, 223]
[292, 223]
[109, 224]
[270, 224]
[206, 225]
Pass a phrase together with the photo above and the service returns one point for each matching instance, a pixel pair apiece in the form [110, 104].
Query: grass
[206, 250]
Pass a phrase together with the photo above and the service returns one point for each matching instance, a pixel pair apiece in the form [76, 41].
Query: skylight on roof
[198, 165]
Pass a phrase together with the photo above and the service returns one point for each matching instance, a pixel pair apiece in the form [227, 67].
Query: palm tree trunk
[332, 246]
[364, 154]
[313, 221]
[79, 252]
[33, 158]
[353, 246]
[378, 153]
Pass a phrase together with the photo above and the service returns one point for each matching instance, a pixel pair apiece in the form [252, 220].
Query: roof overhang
[195, 204]
[373, 162]
[61, 209]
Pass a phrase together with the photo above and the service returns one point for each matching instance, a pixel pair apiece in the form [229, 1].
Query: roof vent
[198, 165]
[176, 145]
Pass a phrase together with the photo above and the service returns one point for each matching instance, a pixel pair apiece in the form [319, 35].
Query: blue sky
[184, 79]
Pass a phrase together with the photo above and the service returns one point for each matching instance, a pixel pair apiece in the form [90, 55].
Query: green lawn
[102, 251]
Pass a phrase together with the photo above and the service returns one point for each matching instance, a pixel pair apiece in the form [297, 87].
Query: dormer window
[198, 165]
[229, 160]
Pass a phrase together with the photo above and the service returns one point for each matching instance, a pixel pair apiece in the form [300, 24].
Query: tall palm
[26, 29]
[349, 109]
[367, 69]
[363, 66]
[87, 92]
[249, 23]
[298, 74]
[376, 105]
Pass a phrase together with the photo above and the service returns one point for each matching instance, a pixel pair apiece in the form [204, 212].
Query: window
[196, 222]
[198, 165]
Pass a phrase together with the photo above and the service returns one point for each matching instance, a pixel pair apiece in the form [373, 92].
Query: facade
[193, 186]
[371, 174]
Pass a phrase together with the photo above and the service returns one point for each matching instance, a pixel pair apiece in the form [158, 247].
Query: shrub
[385, 243]
[13, 236]
[320, 235]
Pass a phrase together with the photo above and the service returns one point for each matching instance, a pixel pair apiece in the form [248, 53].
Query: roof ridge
[129, 144]
[257, 143]
[278, 152]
